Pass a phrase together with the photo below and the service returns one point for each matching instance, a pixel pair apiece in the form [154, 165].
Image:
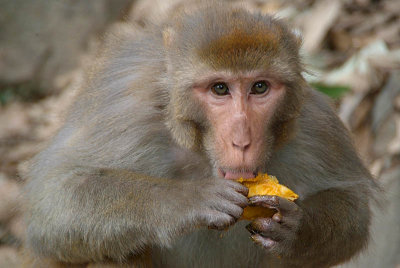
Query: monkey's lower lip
[234, 175]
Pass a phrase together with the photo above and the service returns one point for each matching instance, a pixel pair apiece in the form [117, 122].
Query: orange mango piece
[264, 184]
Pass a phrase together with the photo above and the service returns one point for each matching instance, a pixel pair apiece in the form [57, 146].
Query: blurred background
[351, 48]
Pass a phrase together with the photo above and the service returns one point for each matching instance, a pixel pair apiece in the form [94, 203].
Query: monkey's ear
[185, 134]
[183, 130]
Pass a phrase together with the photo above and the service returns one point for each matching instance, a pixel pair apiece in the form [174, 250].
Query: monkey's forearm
[102, 214]
[334, 228]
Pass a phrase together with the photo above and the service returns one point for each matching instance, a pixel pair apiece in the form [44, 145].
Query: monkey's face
[245, 72]
[240, 110]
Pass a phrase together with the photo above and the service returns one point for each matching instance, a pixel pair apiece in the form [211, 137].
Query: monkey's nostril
[241, 146]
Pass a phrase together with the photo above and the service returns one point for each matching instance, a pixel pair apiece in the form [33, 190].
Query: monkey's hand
[276, 234]
[221, 203]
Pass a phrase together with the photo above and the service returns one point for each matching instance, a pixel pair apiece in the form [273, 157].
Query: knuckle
[275, 199]
[264, 223]
[253, 199]
[268, 223]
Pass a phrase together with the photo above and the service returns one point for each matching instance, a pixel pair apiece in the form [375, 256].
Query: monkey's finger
[235, 197]
[241, 202]
[267, 228]
[239, 187]
[268, 201]
[277, 217]
[291, 222]
[275, 202]
[265, 242]
[218, 220]
[230, 209]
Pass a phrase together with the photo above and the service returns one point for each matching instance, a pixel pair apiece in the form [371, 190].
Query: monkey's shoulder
[318, 116]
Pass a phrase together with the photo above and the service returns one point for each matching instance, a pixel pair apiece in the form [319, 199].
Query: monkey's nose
[242, 145]
[240, 132]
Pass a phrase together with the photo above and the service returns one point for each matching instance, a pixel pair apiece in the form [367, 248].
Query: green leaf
[333, 91]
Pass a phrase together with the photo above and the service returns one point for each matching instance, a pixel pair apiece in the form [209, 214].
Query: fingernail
[250, 229]
[252, 200]
[277, 217]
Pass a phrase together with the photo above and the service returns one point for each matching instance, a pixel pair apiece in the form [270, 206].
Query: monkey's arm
[330, 222]
[99, 214]
[335, 226]
[323, 230]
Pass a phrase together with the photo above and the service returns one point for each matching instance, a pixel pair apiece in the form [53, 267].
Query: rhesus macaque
[144, 168]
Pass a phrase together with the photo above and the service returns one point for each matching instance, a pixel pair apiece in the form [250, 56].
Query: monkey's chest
[211, 248]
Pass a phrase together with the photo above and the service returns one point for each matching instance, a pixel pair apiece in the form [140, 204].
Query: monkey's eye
[220, 89]
[259, 87]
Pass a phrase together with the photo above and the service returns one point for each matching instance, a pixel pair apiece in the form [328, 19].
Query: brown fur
[236, 50]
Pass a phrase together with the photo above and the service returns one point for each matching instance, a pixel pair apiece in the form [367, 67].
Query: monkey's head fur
[235, 47]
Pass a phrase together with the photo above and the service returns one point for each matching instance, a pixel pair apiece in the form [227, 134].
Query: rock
[41, 39]
[355, 109]
[384, 135]
[358, 72]
[325, 12]
[394, 145]
[384, 104]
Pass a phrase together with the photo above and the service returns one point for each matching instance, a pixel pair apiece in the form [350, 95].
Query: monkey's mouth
[234, 174]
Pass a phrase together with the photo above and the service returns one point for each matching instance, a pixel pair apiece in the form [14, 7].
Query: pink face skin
[239, 119]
